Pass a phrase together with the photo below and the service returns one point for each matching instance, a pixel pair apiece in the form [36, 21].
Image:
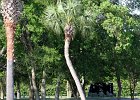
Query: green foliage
[104, 34]
[51, 55]
[51, 88]
[116, 21]
[2, 34]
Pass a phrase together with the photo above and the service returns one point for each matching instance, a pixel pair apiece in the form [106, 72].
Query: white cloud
[136, 11]
[125, 2]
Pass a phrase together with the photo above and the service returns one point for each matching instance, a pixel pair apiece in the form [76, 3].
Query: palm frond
[70, 11]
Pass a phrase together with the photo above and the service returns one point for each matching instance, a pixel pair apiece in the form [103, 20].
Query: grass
[88, 98]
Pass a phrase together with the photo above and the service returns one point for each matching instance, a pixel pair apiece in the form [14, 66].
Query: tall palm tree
[67, 14]
[68, 37]
[11, 11]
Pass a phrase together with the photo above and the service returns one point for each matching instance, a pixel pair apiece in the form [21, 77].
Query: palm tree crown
[68, 31]
[11, 10]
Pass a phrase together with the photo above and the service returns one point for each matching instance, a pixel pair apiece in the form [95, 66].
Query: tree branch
[2, 51]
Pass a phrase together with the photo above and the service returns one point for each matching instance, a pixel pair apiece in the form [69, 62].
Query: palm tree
[68, 14]
[68, 37]
[11, 11]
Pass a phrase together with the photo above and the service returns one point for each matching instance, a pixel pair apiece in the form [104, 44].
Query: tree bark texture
[72, 70]
[10, 30]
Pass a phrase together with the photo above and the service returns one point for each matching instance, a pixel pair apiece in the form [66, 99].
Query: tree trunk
[117, 72]
[119, 84]
[73, 88]
[68, 90]
[83, 83]
[119, 88]
[10, 30]
[133, 83]
[132, 93]
[2, 51]
[31, 91]
[72, 70]
[43, 86]
[34, 84]
[1, 94]
[1, 90]
[57, 89]
[18, 90]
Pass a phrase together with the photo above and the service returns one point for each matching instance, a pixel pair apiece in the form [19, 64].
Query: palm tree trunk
[43, 87]
[10, 12]
[57, 89]
[34, 84]
[10, 30]
[72, 70]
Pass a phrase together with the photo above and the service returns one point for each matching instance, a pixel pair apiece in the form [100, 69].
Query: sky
[135, 10]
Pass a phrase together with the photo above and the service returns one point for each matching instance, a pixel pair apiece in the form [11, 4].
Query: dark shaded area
[97, 88]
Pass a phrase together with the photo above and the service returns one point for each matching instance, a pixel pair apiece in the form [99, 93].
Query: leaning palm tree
[11, 11]
[64, 17]
[68, 37]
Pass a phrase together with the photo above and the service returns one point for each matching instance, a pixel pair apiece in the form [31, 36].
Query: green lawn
[88, 98]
